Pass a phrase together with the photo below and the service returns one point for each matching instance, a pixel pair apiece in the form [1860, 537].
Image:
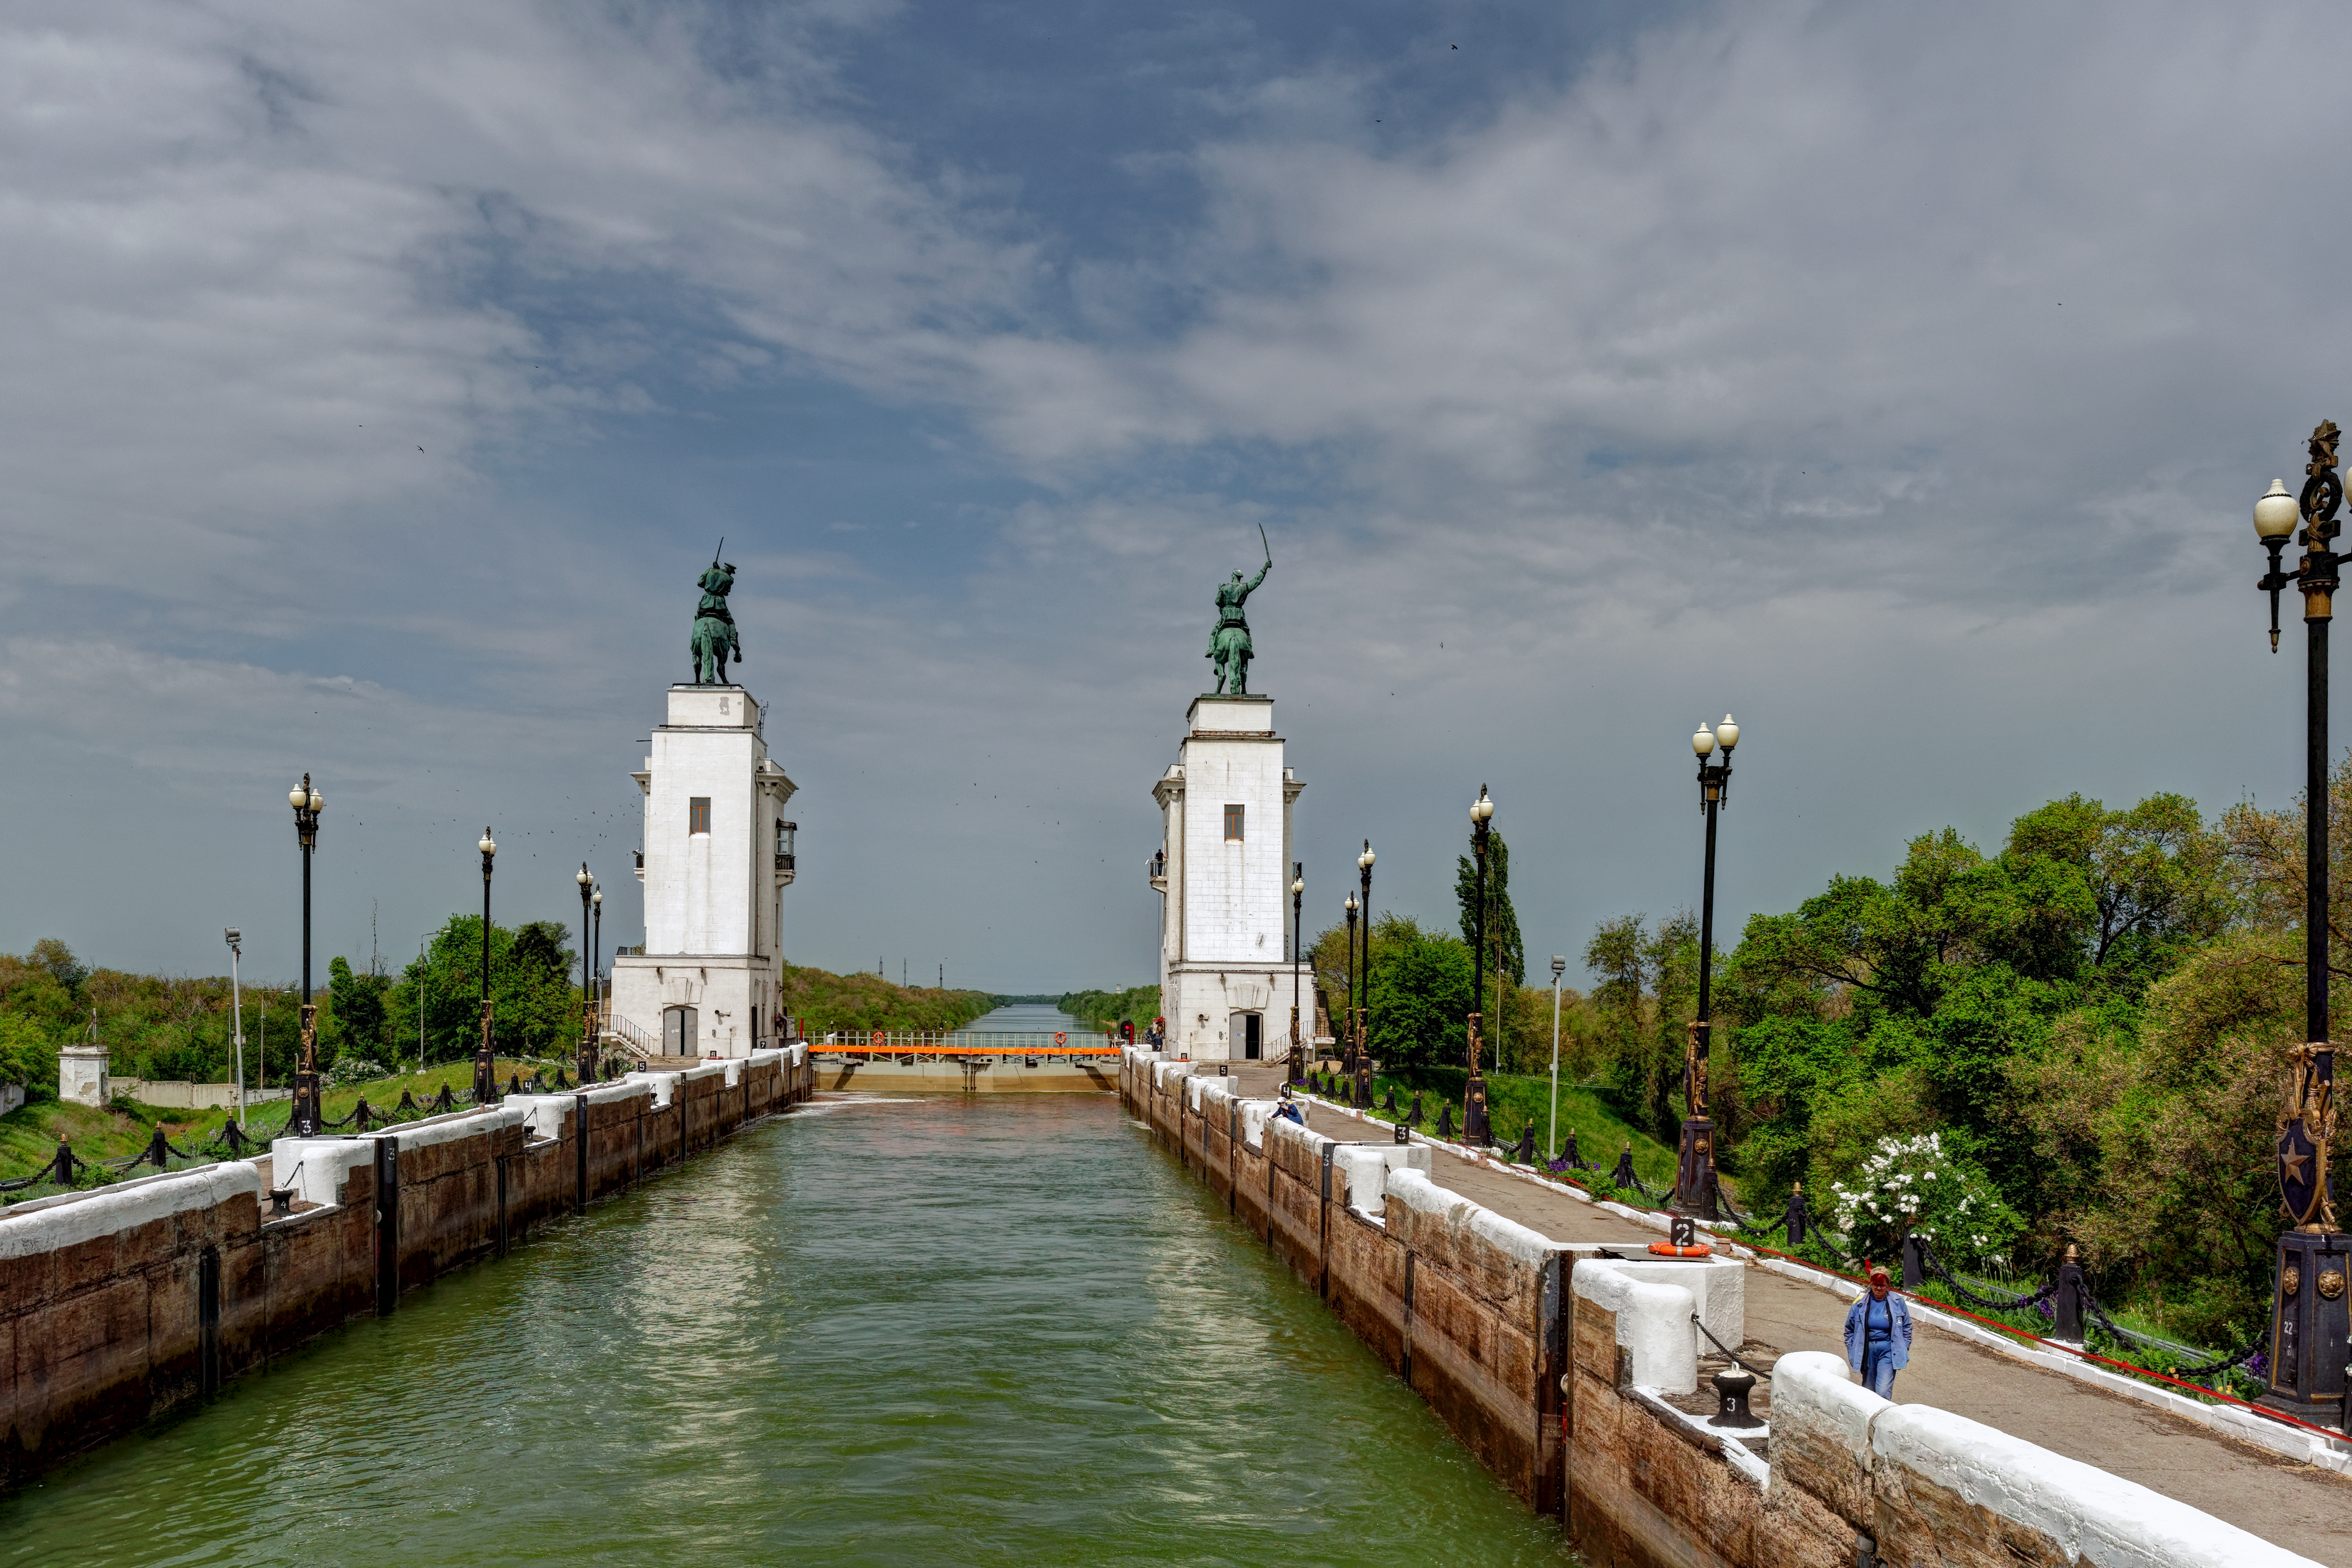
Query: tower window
[1232, 824]
[698, 814]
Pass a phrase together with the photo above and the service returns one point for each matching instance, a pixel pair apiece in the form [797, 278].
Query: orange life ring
[878, 1038]
[1669, 1249]
[1060, 1038]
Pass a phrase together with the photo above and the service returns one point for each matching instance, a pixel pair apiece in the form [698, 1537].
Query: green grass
[1514, 1100]
[30, 1133]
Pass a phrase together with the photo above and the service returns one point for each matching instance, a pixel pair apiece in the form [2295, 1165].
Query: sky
[375, 381]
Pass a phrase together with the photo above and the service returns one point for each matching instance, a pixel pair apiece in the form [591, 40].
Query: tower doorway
[681, 1032]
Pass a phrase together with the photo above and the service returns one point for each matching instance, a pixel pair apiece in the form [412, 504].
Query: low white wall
[69, 1219]
[1719, 1286]
[179, 1094]
[2094, 1517]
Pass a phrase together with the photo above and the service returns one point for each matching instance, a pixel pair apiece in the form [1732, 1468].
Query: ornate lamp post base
[2311, 1325]
[486, 1072]
[307, 1119]
[1694, 1170]
[1475, 1130]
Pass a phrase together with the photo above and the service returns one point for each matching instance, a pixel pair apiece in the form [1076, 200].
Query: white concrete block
[1653, 1324]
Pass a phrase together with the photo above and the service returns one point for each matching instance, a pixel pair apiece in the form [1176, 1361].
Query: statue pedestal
[1223, 875]
[82, 1078]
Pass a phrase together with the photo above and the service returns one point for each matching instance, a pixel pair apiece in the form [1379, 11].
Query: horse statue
[714, 637]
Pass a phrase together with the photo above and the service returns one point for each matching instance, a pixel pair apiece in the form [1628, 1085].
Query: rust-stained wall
[118, 1304]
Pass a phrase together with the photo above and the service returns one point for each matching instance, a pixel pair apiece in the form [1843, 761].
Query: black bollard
[2069, 1303]
[1525, 1152]
[159, 1151]
[61, 1169]
[1404, 1133]
[1732, 1387]
[1915, 1267]
[1569, 1154]
[1798, 1222]
[1623, 1174]
[1445, 1122]
[1412, 1117]
[1391, 1104]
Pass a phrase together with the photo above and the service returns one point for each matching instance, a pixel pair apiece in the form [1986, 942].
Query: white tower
[718, 854]
[1224, 912]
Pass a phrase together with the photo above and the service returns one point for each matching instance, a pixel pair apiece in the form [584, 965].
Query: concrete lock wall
[118, 1304]
[1552, 1362]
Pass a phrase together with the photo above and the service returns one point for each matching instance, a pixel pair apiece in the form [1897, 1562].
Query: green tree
[358, 1011]
[1419, 994]
[28, 1056]
[535, 1008]
[1505, 954]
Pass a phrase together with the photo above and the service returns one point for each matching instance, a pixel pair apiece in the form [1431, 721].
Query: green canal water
[973, 1329]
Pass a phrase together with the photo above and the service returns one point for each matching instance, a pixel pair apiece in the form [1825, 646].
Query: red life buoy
[1060, 1038]
[1669, 1249]
[877, 1038]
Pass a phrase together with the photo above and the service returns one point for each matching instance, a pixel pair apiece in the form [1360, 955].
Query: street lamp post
[1354, 967]
[596, 958]
[307, 1119]
[1551, 1143]
[1363, 1008]
[1298, 910]
[486, 1072]
[1474, 1093]
[1695, 1191]
[237, 1015]
[2308, 1326]
[587, 971]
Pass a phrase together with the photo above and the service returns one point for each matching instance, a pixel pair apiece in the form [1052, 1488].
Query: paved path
[2302, 1508]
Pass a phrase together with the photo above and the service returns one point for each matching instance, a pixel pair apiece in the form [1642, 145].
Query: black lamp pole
[596, 970]
[1474, 1093]
[1695, 1190]
[587, 972]
[1355, 968]
[1297, 1064]
[307, 1120]
[1364, 971]
[486, 1073]
[2308, 1327]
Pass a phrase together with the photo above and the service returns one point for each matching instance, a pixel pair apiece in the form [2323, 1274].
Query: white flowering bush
[1912, 1185]
[350, 1070]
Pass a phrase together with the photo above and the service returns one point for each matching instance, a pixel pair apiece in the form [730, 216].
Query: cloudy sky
[374, 380]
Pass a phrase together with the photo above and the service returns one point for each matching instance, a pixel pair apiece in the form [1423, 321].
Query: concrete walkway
[2296, 1506]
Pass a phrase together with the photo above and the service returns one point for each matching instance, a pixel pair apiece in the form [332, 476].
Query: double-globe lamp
[307, 1120]
[2309, 1330]
[486, 1072]
[1694, 1180]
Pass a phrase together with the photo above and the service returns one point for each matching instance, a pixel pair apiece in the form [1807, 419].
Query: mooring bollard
[1797, 1220]
[1732, 1387]
[1445, 1122]
[1623, 1174]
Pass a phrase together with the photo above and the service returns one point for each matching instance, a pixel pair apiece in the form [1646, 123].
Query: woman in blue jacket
[1878, 1336]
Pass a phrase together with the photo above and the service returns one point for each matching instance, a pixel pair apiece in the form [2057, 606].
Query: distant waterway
[1027, 1018]
[967, 1330]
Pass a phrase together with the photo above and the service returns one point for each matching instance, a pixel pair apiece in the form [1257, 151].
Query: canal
[976, 1328]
